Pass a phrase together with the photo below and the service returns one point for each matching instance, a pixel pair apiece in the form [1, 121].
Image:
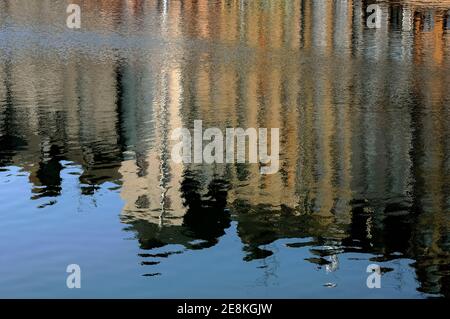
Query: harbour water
[86, 175]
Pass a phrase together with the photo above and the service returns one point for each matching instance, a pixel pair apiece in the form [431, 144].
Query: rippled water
[86, 175]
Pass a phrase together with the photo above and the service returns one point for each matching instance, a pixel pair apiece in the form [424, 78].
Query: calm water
[86, 175]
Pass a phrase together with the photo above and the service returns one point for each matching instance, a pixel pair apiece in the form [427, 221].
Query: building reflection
[363, 116]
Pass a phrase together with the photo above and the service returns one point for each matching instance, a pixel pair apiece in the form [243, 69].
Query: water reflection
[363, 115]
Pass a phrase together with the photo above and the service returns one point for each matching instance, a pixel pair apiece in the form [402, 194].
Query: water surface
[86, 175]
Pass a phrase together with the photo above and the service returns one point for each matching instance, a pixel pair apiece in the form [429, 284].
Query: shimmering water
[85, 170]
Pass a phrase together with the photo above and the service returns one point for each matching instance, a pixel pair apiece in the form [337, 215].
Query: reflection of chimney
[176, 170]
[407, 19]
[153, 194]
[438, 32]
[322, 23]
[324, 124]
[342, 32]
[447, 21]
[382, 34]
[428, 22]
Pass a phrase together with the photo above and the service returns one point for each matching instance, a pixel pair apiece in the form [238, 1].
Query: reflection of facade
[77, 127]
[364, 130]
[151, 180]
[75, 121]
[345, 165]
